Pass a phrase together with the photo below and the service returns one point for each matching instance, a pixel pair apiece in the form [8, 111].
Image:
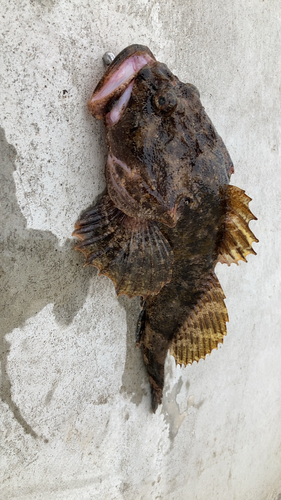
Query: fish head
[162, 147]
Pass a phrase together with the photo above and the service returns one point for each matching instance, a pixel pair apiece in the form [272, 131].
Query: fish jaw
[118, 77]
[115, 113]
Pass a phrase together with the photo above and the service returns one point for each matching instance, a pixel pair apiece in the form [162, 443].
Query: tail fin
[201, 328]
[154, 354]
[154, 350]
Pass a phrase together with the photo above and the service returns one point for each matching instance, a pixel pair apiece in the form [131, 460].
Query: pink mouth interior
[124, 74]
[116, 112]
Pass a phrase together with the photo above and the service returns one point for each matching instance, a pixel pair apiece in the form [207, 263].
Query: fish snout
[119, 74]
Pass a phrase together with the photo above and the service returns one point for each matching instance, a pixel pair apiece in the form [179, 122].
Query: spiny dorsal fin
[237, 237]
[205, 326]
[132, 252]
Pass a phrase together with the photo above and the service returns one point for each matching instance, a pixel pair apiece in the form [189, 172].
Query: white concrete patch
[75, 418]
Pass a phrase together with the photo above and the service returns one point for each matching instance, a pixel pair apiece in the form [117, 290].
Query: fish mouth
[119, 77]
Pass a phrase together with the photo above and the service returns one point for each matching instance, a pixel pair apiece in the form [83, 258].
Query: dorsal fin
[132, 252]
[205, 326]
[237, 238]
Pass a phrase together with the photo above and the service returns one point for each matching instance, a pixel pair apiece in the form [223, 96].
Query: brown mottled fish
[169, 214]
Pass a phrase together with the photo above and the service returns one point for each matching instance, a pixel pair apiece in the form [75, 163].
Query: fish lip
[134, 49]
[97, 105]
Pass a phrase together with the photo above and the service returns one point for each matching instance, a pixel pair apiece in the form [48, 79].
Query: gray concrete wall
[75, 411]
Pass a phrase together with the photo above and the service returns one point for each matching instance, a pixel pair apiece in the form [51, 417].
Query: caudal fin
[199, 332]
[154, 350]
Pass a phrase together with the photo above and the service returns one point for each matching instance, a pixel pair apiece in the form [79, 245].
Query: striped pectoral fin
[237, 238]
[132, 252]
[205, 326]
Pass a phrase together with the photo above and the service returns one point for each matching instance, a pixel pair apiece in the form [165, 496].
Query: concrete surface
[75, 412]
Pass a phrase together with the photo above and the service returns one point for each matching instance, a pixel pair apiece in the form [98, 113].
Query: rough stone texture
[75, 413]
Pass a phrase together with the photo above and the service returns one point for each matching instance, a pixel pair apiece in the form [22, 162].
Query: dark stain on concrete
[34, 272]
[45, 4]
[170, 407]
[134, 372]
[50, 393]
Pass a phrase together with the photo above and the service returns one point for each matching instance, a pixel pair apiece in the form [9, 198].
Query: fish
[169, 213]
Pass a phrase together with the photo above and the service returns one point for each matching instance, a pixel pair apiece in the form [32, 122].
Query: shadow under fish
[169, 214]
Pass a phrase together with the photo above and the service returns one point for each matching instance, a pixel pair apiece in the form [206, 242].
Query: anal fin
[237, 238]
[205, 326]
[132, 252]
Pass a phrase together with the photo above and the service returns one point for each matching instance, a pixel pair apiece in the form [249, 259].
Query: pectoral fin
[205, 326]
[132, 252]
[237, 238]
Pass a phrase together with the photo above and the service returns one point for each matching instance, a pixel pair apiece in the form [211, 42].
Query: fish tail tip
[156, 399]
[154, 405]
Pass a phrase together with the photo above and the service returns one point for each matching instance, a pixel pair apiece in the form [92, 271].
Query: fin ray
[237, 237]
[132, 252]
[204, 328]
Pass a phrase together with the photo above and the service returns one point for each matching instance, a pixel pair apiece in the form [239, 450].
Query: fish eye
[165, 100]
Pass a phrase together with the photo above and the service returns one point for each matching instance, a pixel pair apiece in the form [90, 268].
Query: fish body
[169, 214]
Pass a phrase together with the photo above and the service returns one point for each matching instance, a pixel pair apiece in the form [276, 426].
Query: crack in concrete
[34, 272]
